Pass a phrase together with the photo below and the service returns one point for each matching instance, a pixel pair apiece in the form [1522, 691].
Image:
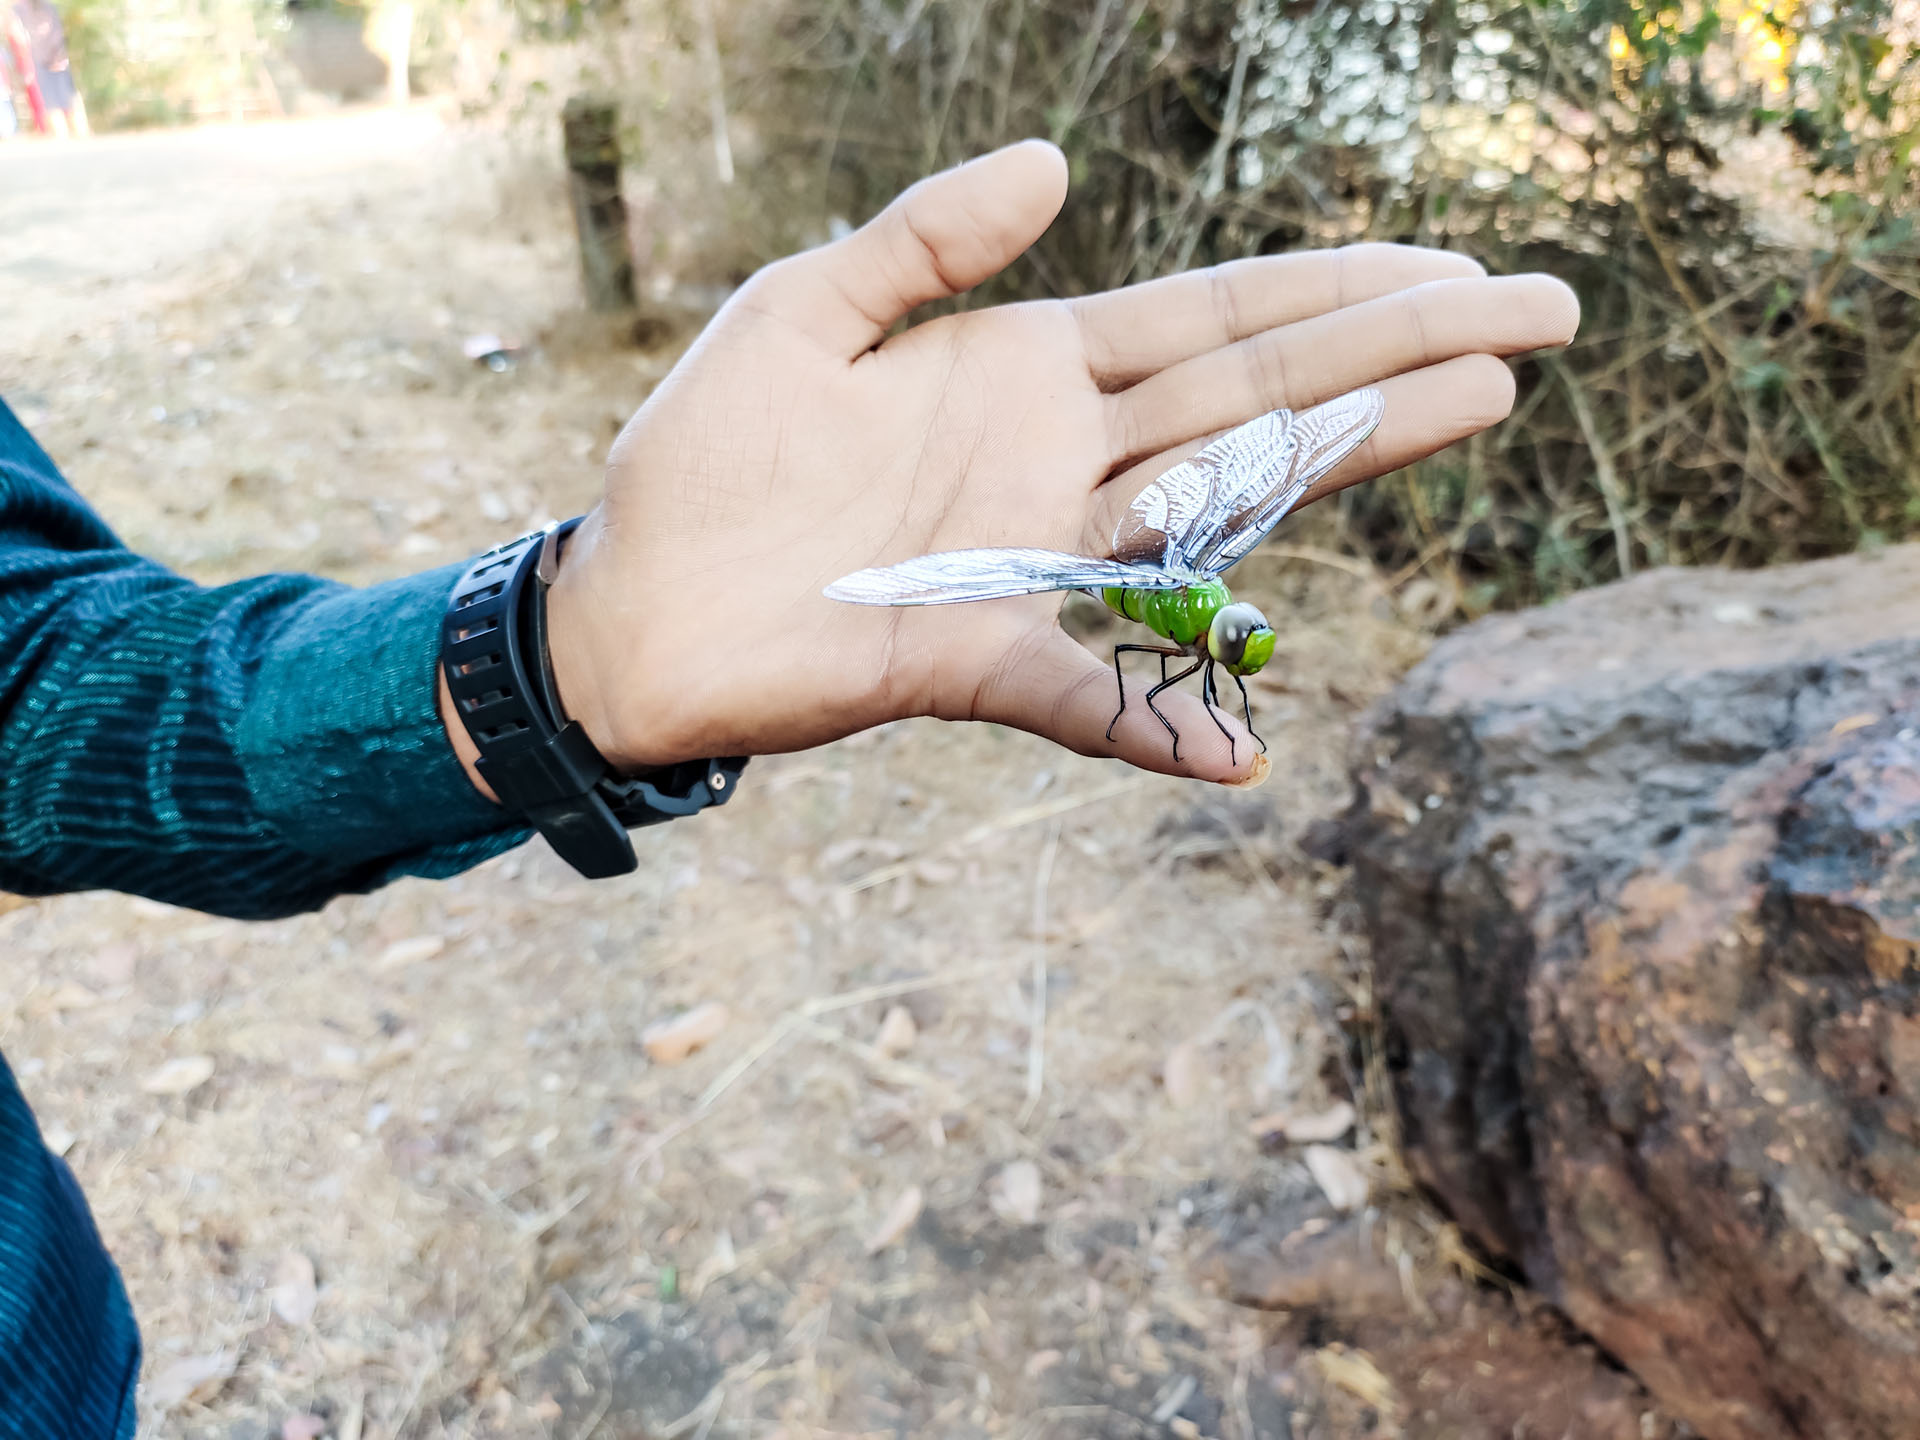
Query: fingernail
[1257, 776]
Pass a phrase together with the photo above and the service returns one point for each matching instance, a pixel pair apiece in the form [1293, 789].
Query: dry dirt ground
[404, 1168]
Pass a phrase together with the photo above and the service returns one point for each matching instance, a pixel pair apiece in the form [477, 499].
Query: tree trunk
[591, 129]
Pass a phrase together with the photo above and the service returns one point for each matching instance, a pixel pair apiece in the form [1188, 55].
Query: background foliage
[1728, 186]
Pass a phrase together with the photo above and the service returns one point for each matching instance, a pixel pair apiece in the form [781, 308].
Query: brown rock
[1457, 1362]
[1641, 873]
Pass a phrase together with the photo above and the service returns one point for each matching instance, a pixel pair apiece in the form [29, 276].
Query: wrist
[464, 750]
[504, 678]
[574, 615]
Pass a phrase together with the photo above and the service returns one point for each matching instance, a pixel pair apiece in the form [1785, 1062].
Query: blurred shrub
[122, 87]
[161, 62]
[1729, 189]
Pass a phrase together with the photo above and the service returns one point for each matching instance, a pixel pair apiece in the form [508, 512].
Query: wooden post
[591, 129]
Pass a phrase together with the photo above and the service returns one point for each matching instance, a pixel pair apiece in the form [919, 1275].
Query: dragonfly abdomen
[1181, 616]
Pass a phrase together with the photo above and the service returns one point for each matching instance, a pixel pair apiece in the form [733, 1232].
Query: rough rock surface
[1435, 1358]
[1641, 873]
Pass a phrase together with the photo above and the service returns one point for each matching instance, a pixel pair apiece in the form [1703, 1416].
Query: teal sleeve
[251, 749]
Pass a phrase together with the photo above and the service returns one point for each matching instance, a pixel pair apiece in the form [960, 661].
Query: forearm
[250, 750]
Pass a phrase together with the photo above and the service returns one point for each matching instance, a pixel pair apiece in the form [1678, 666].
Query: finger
[1301, 365]
[1058, 689]
[1426, 411]
[943, 236]
[1132, 333]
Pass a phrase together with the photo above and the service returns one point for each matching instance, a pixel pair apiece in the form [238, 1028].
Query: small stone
[1338, 1175]
[195, 1379]
[294, 1294]
[897, 1032]
[1325, 1125]
[178, 1076]
[1015, 1196]
[407, 952]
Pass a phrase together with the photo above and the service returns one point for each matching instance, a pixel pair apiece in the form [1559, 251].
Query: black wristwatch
[493, 650]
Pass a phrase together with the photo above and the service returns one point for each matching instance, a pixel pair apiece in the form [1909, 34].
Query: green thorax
[1181, 616]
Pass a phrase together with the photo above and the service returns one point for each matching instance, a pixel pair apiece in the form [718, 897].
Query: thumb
[940, 238]
[1063, 692]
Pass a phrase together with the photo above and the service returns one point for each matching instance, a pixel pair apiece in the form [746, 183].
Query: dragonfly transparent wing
[950, 576]
[1317, 442]
[1199, 513]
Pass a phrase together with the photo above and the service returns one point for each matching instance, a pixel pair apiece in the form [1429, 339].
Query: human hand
[797, 442]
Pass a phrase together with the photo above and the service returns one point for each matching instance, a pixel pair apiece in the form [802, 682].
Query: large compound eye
[1259, 651]
[1227, 636]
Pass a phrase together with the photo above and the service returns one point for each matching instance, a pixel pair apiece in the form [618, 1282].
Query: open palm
[796, 443]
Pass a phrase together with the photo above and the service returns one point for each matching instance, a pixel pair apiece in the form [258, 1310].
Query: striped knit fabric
[251, 750]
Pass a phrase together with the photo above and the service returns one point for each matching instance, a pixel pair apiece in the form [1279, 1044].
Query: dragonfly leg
[1247, 705]
[1121, 681]
[1156, 709]
[1210, 697]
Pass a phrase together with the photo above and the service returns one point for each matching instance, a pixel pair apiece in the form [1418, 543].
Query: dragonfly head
[1240, 638]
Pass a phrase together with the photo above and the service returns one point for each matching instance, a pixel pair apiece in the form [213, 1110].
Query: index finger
[1130, 334]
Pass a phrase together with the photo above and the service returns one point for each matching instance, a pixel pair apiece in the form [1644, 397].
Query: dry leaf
[406, 952]
[177, 1077]
[1042, 1361]
[899, 1220]
[70, 996]
[897, 1032]
[668, 1042]
[1328, 1124]
[1015, 1196]
[722, 1262]
[12, 902]
[1182, 1075]
[198, 1378]
[294, 1293]
[1339, 1176]
[1151, 1356]
[1354, 1372]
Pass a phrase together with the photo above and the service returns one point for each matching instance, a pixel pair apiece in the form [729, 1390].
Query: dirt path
[127, 211]
[436, 1097]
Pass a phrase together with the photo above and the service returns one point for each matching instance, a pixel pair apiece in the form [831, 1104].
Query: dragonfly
[1182, 532]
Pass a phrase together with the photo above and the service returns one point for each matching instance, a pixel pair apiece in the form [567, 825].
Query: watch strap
[539, 763]
[635, 801]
